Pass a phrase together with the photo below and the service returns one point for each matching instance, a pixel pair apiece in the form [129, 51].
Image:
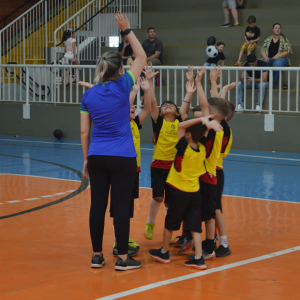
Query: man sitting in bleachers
[153, 48]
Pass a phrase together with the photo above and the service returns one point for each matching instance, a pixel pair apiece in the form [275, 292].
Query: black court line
[84, 184]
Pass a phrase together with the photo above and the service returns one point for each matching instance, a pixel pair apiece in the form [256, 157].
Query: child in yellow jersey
[165, 128]
[218, 108]
[185, 197]
[223, 249]
[136, 124]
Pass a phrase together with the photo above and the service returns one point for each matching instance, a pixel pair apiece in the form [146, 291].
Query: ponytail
[107, 65]
[66, 35]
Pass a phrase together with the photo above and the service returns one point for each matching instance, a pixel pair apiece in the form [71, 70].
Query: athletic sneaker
[180, 241]
[186, 245]
[196, 263]
[226, 25]
[208, 256]
[131, 251]
[133, 244]
[97, 261]
[128, 264]
[222, 251]
[258, 109]
[161, 257]
[148, 234]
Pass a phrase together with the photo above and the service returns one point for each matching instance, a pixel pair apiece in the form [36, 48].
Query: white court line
[198, 274]
[41, 177]
[267, 157]
[13, 201]
[31, 199]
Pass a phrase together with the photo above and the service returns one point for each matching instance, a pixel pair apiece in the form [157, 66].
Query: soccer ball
[212, 51]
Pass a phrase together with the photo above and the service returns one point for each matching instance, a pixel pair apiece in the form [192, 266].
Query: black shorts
[185, 207]
[158, 183]
[220, 184]
[134, 195]
[209, 197]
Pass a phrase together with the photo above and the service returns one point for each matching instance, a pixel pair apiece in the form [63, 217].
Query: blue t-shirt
[109, 107]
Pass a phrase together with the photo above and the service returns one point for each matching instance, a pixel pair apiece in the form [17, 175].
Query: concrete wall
[248, 129]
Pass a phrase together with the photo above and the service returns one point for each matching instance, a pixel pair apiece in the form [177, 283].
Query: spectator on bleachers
[252, 61]
[125, 50]
[240, 4]
[252, 36]
[230, 5]
[213, 61]
[153, 48]
[276, 50]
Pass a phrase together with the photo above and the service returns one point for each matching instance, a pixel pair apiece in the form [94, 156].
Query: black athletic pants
[119, 174]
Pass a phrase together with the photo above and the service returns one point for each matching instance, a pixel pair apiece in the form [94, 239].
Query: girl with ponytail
[110, 156]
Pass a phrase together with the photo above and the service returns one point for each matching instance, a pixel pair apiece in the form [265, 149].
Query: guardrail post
[26, 107]
[24, 40]
[269, 118]
[46, 32]
[140, 14]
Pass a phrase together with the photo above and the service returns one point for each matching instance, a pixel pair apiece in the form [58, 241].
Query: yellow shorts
[250, 47]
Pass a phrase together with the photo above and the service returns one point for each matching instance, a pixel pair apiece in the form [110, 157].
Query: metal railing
[27, 37]
[94, 25]
[170, 86]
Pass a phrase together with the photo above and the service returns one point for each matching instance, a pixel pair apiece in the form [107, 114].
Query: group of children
[186, 172]
[252, 36]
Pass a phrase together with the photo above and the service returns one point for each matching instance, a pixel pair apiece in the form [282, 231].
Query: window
[113, 41]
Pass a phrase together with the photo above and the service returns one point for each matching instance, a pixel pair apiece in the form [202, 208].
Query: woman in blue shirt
[110, 156]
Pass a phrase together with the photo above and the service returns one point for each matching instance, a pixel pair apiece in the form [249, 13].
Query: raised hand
[148, 71]
[226, 88]
[144, 84]
[215, 73]
[190, 89]
[200, 74]
[190, 74]
[211, 124]
[85, 84]
[136, 87]
[122, 21]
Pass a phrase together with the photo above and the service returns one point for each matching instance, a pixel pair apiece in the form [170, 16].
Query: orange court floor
[45, 253]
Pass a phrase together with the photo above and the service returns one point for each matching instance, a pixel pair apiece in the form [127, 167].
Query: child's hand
[148, 71]
[211, 124]
[85, 84]
[230, 86]
[248, 42]
[200, 75]
[190, 74]
[144, 84]
[190, 89]
[215, 73]
[219, 86]
[136, 87]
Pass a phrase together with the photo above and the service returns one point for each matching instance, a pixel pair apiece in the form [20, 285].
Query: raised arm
[201, 95]
[214, 75]
[146, 87]
[148, 71]
[205, 121]
[185, 106]
[226, 88]
[140, 56]
[134, 92]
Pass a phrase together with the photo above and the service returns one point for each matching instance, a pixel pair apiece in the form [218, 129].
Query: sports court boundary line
[244, 155]
[198, 274]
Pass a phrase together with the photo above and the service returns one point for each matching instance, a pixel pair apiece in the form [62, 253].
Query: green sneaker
[131, 251]
[148, 234]
[133, 244]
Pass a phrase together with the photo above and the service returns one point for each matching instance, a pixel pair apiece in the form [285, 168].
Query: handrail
[6, 17]
[85, 21]
[21, 16]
